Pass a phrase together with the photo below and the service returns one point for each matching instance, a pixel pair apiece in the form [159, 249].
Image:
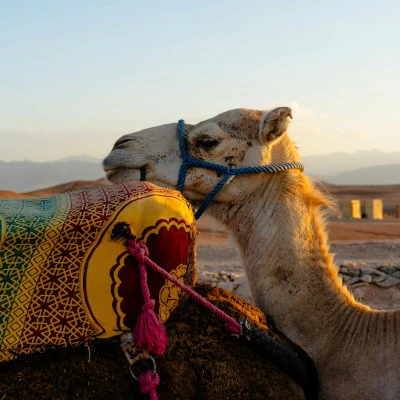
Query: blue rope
[230, 173]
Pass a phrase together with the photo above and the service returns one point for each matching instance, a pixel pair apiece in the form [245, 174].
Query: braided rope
[210, 197]
[230, 173]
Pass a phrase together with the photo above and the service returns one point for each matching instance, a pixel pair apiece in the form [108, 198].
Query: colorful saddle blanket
[63, 280]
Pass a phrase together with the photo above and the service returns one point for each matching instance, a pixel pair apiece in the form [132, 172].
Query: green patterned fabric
[23, 224]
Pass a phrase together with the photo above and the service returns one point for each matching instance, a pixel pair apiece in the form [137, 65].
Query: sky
[77, 75]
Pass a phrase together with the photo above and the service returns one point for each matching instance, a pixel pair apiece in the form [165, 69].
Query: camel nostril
[120, 143]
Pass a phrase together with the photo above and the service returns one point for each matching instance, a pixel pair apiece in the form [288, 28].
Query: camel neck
[285, 254]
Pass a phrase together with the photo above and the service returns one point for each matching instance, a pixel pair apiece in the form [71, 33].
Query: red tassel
[149, 332]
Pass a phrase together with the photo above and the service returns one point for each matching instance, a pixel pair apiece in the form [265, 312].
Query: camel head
[235, 138]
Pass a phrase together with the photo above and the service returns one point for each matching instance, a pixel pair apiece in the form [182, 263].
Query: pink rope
[231, 324]
[149, 332]
[141, 252]
[148, 383]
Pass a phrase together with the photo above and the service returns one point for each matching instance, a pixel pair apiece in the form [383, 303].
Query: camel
[277, 222]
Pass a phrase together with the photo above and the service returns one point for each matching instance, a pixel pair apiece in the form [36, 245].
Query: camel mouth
[110, 173]
[143, 172]
[122, 174]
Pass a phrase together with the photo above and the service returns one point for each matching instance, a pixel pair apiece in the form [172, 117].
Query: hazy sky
[76, 75]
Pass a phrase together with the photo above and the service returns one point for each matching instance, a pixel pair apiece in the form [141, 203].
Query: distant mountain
[62, 188]
[24, 176]
[376, 175]
[82, 157]
[335, 163]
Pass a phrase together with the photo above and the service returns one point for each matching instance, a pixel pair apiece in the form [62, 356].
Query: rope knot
[138, 250]
[148, 305]
[148, 383]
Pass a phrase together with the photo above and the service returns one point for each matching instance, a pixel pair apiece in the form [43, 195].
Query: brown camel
[276, 221]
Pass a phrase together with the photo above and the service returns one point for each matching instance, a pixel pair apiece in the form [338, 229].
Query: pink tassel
[148, 383]
[149, 332]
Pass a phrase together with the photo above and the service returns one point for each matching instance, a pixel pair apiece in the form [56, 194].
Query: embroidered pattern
[43, 243]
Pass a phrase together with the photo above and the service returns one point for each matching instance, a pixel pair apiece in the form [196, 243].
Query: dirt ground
[374, 241]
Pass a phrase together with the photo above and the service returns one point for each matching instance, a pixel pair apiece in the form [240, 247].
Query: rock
[369, 271]
[352, 265]
[353, 272]
[378, 278]
[353, 280]
[205, 276]
[375, 271]
[366, 278]
[343, 270]
[396, 274]
[355, 265]
[388, 282]
[388, 270]
[223, 276]
[229, 276]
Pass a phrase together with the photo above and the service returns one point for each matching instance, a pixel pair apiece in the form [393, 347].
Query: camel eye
[207, 142]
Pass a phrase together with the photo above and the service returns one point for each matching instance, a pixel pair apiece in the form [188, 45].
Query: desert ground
[366, 251]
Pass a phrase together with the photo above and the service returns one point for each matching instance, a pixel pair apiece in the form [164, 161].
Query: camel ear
[275, 123]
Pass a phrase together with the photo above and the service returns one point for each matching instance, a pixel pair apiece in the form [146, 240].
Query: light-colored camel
[276, 222]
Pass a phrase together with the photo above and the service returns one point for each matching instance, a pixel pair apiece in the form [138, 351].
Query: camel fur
[276, 222]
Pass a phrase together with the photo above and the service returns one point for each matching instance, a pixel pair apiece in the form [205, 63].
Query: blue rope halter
[230, 173]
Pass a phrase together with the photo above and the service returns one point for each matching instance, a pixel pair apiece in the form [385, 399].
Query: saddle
[63, 280]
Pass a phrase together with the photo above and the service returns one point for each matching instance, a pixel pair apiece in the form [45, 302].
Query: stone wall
[374, 208]
[350, 209]
[353, 209]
